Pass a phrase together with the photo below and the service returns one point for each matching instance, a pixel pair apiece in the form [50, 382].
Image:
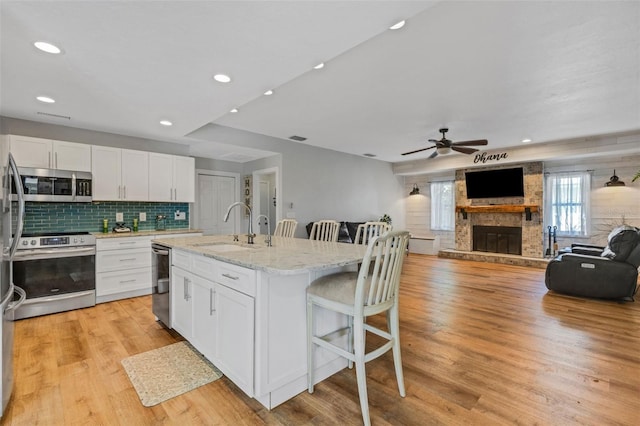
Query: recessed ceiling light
[397, 25]
[319, 66]
[268, 93]
[526, 140]
[166, 123]
[45, 99]
[47, 47]
[222, 78]
[234, 110]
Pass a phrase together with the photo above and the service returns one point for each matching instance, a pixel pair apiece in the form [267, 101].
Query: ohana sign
[484, 157]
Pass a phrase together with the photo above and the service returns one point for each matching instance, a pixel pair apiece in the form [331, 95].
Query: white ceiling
[501, 71]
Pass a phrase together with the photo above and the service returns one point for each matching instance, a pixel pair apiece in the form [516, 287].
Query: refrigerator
[11, 231]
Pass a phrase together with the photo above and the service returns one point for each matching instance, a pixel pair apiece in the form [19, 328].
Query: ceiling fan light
[443, 150]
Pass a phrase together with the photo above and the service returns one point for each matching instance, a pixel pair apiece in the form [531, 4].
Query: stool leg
[361, 374]
[310, 345]
[394, 328]
[350, 338]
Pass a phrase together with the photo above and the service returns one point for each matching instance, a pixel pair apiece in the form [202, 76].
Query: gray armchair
[609, 272]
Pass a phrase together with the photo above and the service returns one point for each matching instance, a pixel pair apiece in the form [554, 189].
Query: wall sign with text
[246, 192]
[484, 157]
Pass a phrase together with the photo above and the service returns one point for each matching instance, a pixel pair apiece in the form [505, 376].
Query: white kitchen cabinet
[204, 317]
[182, 302]
[171, 178]
[234, 334]
[123, 268]
[213, 308]
[50, 154]
[120, 174]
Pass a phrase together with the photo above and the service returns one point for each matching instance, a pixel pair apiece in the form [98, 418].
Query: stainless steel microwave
[51, 185]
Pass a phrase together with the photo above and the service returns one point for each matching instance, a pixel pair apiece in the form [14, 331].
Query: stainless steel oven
[57, 271]
[161, 275]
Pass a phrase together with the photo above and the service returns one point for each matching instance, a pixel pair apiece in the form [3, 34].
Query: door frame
[196, 204]
[256, 190]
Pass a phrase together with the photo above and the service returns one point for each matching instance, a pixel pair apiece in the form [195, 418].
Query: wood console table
[499, 208]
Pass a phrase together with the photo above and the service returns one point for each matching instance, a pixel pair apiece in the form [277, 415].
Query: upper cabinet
[50, 154]
[171, 178]
[120, 174]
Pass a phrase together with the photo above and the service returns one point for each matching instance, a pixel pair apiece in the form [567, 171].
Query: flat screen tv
[496, 183]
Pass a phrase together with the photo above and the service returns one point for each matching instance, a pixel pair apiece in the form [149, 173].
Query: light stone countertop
[287, 256]
[145, 233]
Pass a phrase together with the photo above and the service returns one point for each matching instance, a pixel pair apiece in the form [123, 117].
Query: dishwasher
[160, 295]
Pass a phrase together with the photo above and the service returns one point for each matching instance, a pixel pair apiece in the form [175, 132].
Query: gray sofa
[609, 272]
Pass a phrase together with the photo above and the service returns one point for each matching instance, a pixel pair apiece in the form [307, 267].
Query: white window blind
[442, 206]
[567, 202]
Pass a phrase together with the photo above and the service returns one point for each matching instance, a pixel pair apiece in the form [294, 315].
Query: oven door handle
[53, 254]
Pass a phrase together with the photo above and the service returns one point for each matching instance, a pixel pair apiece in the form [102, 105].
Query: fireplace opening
[497, 239]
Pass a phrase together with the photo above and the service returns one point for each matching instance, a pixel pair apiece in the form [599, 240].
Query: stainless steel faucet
[268, 239]
[250, 234]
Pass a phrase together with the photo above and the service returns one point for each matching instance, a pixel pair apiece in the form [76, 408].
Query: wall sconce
[614, 180]
[415, 190]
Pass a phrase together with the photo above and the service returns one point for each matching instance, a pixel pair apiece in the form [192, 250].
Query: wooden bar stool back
[325, 230]
[286, 228]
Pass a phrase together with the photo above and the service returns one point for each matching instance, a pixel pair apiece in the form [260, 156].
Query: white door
[135, 175]
[215, 195]
[160, 177]
[105, 166]
[183, 174]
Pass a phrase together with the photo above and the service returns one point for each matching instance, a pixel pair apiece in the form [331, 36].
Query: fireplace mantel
[499, 208]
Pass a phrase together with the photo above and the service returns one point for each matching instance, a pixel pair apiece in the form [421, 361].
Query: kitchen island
[244, 307]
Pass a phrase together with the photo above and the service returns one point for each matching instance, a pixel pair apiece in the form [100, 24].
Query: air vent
[369, 155]
[54, 115]
[297, 138]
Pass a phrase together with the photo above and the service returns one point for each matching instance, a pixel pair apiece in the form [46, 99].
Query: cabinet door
[184, 179]
[160, 177]
[105, 167]
[135, 175]
[71, 156]
[31, 152]
[182, 302]
[234, 347]
[204, 317]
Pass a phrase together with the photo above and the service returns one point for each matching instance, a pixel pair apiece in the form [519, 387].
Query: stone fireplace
[521, 213]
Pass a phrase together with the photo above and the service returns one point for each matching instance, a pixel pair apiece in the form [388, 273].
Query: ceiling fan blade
[434, 140]
[418, 150]
[471, 143]
[464, 150]
[435, 154]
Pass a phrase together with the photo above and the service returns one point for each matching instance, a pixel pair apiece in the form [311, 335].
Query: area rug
[167, 372]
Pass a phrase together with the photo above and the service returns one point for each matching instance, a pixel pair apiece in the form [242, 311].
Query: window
[567, 203]
[442, 206]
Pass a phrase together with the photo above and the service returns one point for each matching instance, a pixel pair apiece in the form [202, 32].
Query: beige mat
[164, 373]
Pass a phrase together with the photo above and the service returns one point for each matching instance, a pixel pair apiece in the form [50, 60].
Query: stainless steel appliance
[161, 273]
[8, 246]
[55, 185]
[57, 270]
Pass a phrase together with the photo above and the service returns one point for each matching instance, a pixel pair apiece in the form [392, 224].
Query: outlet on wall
[143, 216]
[119, 217]
[178, 215]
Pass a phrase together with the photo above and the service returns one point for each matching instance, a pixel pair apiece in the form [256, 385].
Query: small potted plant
[636, 177]
[386, 219]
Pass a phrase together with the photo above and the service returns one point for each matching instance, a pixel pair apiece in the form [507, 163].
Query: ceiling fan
[444, 145]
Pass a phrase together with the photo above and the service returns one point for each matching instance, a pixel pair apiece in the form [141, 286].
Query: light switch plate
[119, 217]
[143, 216]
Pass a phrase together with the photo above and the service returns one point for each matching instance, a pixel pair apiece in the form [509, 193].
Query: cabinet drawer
[117, 282]
[237, 278]
[118, 243]
[204, 266]
[181, 259]
[118, 260]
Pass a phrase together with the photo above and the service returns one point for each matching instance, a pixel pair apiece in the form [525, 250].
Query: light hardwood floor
[481, 344]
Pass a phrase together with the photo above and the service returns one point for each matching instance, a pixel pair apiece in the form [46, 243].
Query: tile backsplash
[76, 217]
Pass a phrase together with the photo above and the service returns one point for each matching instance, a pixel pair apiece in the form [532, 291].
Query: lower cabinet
[216, 318]
[182, 302]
